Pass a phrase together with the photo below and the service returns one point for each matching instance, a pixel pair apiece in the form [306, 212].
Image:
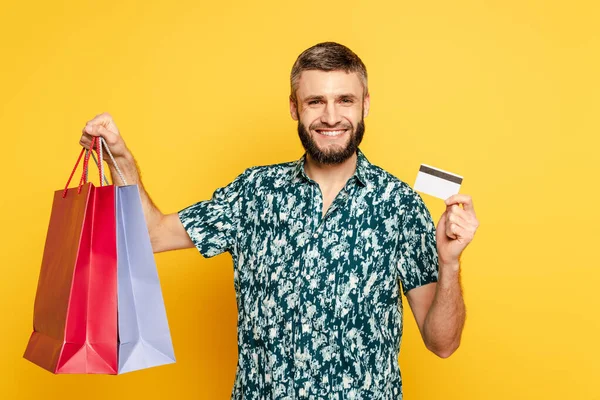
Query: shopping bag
[144, 337]
[75, 310]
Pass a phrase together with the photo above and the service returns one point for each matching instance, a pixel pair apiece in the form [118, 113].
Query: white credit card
[436, 182]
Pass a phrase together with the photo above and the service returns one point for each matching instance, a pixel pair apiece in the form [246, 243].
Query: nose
[331, 116]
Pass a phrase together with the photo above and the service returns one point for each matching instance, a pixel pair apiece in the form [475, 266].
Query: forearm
[129, 168]
[445, 320]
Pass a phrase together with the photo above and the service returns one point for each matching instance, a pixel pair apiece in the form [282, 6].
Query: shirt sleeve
[212, 224]
[418, 258]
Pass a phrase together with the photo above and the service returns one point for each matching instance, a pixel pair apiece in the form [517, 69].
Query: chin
[332, 148]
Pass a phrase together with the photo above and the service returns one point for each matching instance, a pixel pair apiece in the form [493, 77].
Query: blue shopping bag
[144, 336]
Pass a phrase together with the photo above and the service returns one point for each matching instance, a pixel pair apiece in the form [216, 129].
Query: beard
[336, 155]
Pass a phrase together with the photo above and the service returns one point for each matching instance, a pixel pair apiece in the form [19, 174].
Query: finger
[463, 199]
[445, 224]
[92, 129]
[466, 216]
[86, 141]
[98, 130]
[111, 137]
[457, 232]
[89, 130]
[451, 230]
[468, 220]
[103, 119]
[457, 229]
[461, 234]
[455, 218]
[469, 225]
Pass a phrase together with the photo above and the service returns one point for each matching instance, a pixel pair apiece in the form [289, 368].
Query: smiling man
[322, 248]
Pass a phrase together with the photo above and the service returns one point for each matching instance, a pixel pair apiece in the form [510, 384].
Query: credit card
[436, 182]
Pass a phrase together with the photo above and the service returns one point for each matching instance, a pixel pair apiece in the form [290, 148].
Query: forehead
[328, 83]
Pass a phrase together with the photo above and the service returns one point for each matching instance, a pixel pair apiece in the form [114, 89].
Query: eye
[347, 100]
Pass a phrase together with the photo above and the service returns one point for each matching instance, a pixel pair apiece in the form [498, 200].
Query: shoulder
[407, 202]
[391, 187]
[268, 175]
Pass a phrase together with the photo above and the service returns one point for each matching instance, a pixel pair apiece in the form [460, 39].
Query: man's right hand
[166, 231]
[104, 126]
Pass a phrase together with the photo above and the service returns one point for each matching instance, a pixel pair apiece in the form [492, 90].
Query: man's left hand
[455, 229]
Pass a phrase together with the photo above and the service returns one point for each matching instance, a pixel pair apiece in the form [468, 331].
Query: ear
[293, 109]
[366, 104]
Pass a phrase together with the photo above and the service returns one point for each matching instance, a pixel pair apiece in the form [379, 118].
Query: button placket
[314, 222]
[317, 223]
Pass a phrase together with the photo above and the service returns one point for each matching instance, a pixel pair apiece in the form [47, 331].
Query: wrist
[452, 266]
[449, 272]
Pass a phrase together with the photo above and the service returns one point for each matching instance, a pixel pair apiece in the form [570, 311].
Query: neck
[330, 175]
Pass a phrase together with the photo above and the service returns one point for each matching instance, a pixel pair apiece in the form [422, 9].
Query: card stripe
[440, 174]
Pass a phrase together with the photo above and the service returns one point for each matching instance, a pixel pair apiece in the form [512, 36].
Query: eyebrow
[339, 96]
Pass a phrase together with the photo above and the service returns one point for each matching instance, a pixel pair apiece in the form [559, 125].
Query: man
[320, 247]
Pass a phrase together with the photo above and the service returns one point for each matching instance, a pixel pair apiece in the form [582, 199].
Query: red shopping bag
[75, 311]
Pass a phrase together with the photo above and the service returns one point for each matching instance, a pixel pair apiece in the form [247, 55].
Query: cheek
[357, 113]
[354, 115]
[309, 117]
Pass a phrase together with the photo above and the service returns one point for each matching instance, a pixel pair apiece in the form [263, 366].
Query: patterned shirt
[319, 310]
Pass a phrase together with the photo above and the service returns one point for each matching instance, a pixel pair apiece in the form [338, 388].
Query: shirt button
[315, 235]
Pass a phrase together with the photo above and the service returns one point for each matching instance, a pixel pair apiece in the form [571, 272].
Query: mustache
[317, 126]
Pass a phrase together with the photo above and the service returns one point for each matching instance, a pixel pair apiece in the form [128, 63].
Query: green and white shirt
[319, 307]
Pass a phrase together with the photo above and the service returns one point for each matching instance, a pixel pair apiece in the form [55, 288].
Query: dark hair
[327, 56]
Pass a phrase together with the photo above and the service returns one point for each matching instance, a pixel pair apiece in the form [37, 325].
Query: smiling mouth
[331, 132]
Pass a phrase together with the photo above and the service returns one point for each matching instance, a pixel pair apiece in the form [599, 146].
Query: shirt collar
[363, 167]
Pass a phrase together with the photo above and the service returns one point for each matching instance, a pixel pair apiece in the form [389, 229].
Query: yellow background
[505, 93]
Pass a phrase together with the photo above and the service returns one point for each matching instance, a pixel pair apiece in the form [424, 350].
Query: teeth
[331, 133]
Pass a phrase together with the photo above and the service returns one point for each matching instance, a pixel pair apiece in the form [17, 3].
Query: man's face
[330, 110]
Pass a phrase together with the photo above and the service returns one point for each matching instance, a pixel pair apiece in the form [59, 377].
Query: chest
[288, 228]
[292, 259]
[329, 195]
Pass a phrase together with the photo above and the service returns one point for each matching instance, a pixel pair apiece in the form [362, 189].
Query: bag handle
[101, 143]
[104, 175]
[85, 164]
[98, 143]
[84, 175]
[121, 176]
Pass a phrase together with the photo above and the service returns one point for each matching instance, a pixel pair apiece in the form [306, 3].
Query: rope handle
[105, 179]
[84, 175]
[85, 164]
[114, 163]
[121, 176]
[98, 143]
